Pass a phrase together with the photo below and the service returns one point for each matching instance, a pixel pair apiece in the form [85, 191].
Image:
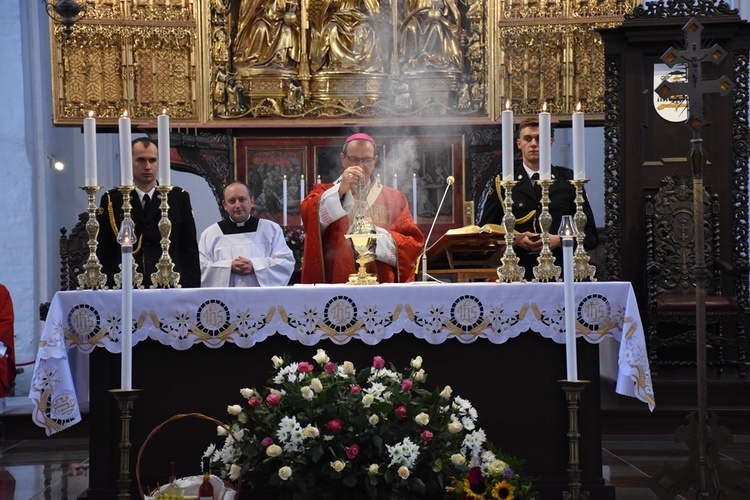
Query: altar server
[244, 250]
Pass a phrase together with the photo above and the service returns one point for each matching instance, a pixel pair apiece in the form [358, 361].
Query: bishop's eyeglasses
[363, 161]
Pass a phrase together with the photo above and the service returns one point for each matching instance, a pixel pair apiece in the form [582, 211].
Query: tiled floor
[57, 469]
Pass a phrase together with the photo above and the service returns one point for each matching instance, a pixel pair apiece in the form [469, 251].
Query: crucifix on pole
[703, 471]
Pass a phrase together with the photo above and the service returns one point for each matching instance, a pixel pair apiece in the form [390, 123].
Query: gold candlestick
[546, 270]
[582, 269]
[509, 271]
[127, 221]
[165, 276]
[92, 276]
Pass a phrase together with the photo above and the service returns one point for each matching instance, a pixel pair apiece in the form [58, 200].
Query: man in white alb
[244, 250]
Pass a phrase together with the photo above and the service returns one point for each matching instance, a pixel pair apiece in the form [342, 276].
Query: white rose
[316, 385]
[416, 363]
[446, 393]
[307, 393]
[338, 465]
[221, 430]
[277, 361]
[234, 409]
[420, 376]
[247, 393]
[348, 367]
[311, 432]
[422, 419]
[374, 469]
[458, 459]
[497, 467]
[374, 419]
[285, 472]
[234, 472]
[274, 451]
[403, 472]
[455, 427]
[321, 357]
[367, 400]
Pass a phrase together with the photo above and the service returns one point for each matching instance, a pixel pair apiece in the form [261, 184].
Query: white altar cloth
[181, 318]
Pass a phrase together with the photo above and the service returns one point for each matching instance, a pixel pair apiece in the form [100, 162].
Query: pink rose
[352, 451]
[273, 399]
[334, 425]
[426, 436]
[401, 412]
[304, 367]
[267, 441]
[254, 401]
[378, 363]
[330, 368]
[356, 389]
[406, 385]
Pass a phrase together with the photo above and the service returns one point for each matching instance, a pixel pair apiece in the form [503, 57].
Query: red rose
[334, 425]
[475, 476]
[352, 451]
[330, 368]
[304, 367]
[426, 436]
[356, 389]
[378, 363]
[254, 401]
[267, 441]
[406, 385]
[273, 399]
[401, 412]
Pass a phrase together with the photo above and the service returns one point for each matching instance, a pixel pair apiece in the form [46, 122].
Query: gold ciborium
[362, 235]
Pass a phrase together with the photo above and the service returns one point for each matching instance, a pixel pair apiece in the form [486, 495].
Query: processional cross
[702, 437]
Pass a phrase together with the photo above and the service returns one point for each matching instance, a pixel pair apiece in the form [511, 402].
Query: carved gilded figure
[429, 36]
[346, 37]
[267, 35]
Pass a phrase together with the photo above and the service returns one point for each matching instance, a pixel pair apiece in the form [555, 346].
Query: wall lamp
[65, 12]
[55, 164]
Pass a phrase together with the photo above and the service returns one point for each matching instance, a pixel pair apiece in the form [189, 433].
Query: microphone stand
[449, 180]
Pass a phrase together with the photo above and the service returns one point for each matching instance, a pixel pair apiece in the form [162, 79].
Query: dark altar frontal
[513, 386]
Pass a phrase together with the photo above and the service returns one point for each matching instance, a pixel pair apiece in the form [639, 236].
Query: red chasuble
[329, 257]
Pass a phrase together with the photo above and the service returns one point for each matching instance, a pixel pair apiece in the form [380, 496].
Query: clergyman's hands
[241, 265]
[350, 178]
[532, 242]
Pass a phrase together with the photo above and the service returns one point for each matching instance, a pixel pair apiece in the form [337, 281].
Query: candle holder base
[582, 269]
[509, 271]
[92, 277]
[128, 221]
[125, 400]
[165, 276]
[546, 270]
[573, 390]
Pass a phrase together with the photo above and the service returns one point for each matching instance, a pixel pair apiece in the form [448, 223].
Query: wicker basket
[228, 491]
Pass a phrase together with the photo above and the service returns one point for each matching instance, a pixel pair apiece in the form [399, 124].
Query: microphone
[449, 181]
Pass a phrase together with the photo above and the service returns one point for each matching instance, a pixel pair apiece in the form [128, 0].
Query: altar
[501, 346]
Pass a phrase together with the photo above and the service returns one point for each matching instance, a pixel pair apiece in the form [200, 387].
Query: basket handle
[172, 419]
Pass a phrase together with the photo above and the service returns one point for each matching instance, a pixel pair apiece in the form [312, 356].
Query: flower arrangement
[295, 240]
[322, 430]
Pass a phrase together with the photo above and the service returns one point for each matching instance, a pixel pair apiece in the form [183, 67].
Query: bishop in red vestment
[327, 213]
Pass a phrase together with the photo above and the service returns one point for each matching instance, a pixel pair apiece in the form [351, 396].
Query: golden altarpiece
[297, 70]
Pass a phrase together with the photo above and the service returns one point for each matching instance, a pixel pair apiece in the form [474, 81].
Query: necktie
[146, 203]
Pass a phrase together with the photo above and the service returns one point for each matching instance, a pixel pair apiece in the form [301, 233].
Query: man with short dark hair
[145, 212]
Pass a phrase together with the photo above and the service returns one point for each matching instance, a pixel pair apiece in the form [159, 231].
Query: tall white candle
[395, 181]
[284, 198]
[507, 143]
[165, 167]
[126, 359]
[567, 233]
[579, 156]
[126, 153]
[301, 187]
[89, 151]
[414, 196]
[545, 142]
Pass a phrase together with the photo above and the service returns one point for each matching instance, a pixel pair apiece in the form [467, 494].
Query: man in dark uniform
[527, 202]
[145, 212]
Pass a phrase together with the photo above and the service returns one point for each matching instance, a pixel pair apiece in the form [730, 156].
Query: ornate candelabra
[125, 400]
[362, 235]
[92, 276]
[165, 276]
[545, 270]
[127, 229]
[582, 269]
[573, 390]
[509, 271]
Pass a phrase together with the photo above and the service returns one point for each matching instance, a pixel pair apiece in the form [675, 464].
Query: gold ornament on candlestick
[92, 277]
[582, 269]
[545, 270]
[363, 236]
[165, 276]
[509, 271]
[127, 230]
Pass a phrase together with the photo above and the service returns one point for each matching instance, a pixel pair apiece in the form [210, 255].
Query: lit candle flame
[164, 111]
[544, 108]
[91, 114]
[578, 106]
[507, 104]
[125, 114]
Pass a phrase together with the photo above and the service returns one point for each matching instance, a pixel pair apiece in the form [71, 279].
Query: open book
[468, 247]
[487, 229]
